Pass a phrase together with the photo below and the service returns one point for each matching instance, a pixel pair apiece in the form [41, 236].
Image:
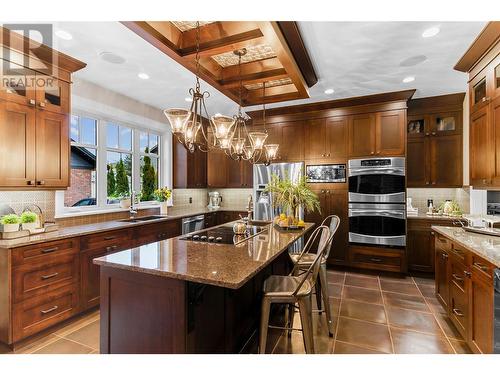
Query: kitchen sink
[142, 218]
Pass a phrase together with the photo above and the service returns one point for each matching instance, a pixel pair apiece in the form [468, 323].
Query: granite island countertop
[228, 266]
[424, 216]
[82, 230]
[487, 247]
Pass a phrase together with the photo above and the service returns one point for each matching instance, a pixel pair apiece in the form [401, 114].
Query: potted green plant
[10, 223]
[125, 201]
[29, 220]
[290, 196]
[162, 195]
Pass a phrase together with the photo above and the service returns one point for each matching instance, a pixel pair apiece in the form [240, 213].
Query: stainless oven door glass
[377, 224]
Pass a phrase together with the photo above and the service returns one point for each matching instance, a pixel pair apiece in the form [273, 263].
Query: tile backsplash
[420, 196]
[181, 198]
[234, 198]
[18, 200]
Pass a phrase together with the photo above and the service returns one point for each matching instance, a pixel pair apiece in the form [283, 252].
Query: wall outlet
[190, 200]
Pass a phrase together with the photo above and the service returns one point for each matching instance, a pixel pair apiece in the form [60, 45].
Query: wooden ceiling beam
[256, 78]
[247, 69]
[272, 99]
[228, 44]
[256, 95]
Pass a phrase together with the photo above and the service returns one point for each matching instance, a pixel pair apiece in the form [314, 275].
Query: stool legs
[305, 309]
[324, 293]
[291, 314]
[264, 323]
[319, 293]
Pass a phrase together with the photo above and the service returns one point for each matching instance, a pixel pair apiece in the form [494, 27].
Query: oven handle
[385, 213]
[368, 171]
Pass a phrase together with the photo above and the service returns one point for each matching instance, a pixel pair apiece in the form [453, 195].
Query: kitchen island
[182, 296]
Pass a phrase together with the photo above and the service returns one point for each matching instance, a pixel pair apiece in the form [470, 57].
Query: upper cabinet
[34, 119]
[434, 141]
[482, 62]
[326, 139]
[189, 168]
[377, 134]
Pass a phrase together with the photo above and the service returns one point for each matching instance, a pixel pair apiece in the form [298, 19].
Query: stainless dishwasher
[193, 223]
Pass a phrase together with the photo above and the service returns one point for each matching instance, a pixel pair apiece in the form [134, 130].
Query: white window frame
[157, 157]
[102, 149]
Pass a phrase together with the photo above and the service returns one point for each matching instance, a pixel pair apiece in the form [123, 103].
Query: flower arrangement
[163, 194]
[290, 196]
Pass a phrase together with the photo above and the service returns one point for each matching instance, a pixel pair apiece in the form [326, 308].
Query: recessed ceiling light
[188, 99]
[112, 58]
[64, 34]
[143, 76]
[408, 79]
[329, 91]
[430, 32]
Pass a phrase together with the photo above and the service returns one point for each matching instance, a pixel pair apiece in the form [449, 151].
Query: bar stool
[293, 290]
[303, 261]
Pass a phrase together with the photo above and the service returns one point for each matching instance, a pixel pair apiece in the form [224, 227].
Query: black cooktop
[223, 234]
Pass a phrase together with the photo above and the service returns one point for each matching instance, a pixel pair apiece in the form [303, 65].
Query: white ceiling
[353, 58]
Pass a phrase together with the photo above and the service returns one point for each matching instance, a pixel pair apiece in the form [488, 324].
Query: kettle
[240, 227]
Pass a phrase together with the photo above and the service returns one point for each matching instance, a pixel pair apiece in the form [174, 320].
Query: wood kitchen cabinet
[216, 171]
[434, 141]
[239, 173]
[482, 63]
[325, 139]
[333, 202]
[377, 134]
[189, 168]
[34, 123]
[464, 286]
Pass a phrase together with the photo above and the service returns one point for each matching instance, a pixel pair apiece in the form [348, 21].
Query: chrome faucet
[250, 208]
[132, 209]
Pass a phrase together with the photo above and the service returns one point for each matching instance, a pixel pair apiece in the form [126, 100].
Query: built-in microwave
[329, 173]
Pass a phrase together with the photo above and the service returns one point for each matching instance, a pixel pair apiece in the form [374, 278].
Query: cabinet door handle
[49, 250]
[109, 248]
[109, 238]
[31, 102]
[49, 310]
[40, 182]
[444, 256]
[456, 277]
[432, 233]
[46, 277]
[457, 312]
[427, 134]
[41, 104]
[323, 155]
[328, 155]
[31, 182]
[482, 267]
[376, 260]
[468, 274]
[433, 133]
[427, 182]
[373, 152]
[434, 182]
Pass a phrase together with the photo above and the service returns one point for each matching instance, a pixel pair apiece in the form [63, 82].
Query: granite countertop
[424, 216]
[228, 266]
[487, 247]
[81, 230]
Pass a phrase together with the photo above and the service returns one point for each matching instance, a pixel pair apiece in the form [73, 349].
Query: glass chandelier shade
[222, 126]
[257, 139]
[225, 143]
[271, 151]
[191, 132]
[238, 145]
[177, 119]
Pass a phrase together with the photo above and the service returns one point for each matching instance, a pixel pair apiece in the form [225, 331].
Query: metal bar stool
[293, 290]
[303, 261]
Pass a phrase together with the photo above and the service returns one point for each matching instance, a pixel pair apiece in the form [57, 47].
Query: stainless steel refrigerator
[263, 207]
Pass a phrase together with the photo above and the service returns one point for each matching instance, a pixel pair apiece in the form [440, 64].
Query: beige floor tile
[409, 342]
[87, 335]
[365, 334]
[363, 311]
[345, 348]
[63, 346]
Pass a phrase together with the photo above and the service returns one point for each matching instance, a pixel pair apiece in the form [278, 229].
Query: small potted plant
[125, 201]
[10, 223]
[29, 220]
[162, 195]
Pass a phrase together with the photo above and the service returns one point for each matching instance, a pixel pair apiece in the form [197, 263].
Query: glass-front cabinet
[449, 123]
[52, 95]
[17, 84]
[416, 126]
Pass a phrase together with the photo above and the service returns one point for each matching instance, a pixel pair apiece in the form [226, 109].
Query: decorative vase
[8, 228]
[163, 208]
[125, 203]
[29, 226]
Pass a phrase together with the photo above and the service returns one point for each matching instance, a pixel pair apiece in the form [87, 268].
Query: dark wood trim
[395, 96]
[291, 32]
[441, 103]
[488, 37]
[17, 42]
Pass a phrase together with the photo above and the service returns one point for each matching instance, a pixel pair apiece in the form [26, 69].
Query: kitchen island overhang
[177, 296]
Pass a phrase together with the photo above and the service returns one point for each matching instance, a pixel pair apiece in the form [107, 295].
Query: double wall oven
[377, 213]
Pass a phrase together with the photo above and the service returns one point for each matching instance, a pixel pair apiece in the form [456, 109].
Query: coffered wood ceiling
[269, 58]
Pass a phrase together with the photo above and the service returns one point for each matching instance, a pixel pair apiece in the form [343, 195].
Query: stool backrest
[332, 222]
[312, 272]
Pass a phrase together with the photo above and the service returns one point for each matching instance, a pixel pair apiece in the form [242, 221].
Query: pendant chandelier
[230, 134]
[245, 145]
[189, 126]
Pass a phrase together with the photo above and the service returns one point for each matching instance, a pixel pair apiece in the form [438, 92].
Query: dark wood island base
[143, 313]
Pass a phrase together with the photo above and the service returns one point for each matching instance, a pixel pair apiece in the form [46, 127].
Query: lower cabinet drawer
[458, 308]
[442, 242]
[377, 258]
[34, 279]
[35, 314]
[458, 274]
